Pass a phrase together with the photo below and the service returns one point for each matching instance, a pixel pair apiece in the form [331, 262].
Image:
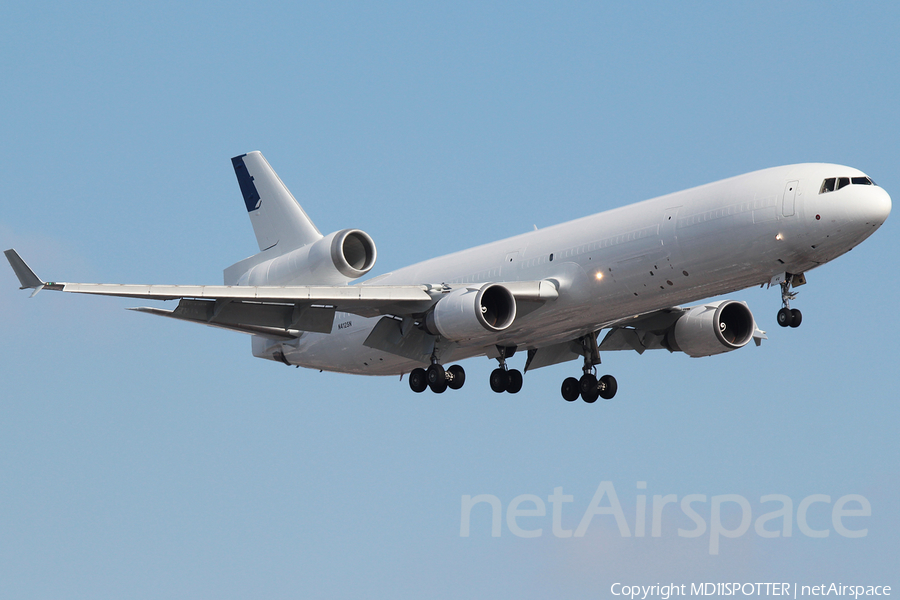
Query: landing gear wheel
[608, 387]
[437, 378]
[588, 386]
[515, 381]
[796, 317]
[570, 389]
[418, 381]
[591, 396]
[785, 317]
[499, 380]
[456, 377]
[587, 383]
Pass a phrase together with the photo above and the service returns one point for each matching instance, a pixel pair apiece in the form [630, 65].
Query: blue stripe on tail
[245, 180]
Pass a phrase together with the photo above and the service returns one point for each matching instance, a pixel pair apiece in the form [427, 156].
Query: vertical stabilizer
[278, 220]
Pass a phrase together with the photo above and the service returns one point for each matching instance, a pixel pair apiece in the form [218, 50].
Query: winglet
[26, 276]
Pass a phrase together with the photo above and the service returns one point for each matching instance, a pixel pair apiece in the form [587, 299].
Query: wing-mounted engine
[704, 330]
[712, 328]
[334, 259]
[469, 312]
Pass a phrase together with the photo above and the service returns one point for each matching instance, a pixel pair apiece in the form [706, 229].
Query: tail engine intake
[335, 259]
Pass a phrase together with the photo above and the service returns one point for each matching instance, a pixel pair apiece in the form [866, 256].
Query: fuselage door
[667, 228]
[790, 195]
[669, 237]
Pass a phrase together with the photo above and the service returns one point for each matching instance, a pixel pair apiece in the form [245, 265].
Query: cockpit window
[835, 183]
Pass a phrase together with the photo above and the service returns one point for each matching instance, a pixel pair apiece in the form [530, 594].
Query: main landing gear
[787, 316]
[504, 379]
[437, 378]
[589, 387]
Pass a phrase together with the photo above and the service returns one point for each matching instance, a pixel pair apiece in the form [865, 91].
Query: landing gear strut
[787, 316]
[504, 379]
[589, 387]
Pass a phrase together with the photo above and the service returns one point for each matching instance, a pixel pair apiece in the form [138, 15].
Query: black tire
[457, 377]
[515, 381]
[608, 387]
[590, 397]
[437, 379]
[570, 389]
[785, 317]
[796, 317]
[499, 380]
[587, 384]
[418, 381]
[435, 374]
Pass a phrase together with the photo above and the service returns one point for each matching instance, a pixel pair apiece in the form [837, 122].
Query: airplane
[549, 292]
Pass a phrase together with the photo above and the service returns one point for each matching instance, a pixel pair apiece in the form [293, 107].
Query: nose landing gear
[787, 316]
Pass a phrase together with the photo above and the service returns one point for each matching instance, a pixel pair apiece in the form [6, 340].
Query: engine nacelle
[469, 312]
[335, 259]
[713, 328]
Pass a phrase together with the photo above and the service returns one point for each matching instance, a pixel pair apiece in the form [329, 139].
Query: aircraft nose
[876, 206]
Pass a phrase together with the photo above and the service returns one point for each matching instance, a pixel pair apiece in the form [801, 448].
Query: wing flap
[388, 336]
[269, 332]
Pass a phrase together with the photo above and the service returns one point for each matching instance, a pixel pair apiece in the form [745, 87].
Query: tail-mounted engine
[472, 312]
[334, 259]
[712, 328]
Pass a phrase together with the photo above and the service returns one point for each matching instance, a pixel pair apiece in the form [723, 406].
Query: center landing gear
[504, 379]
[589, 387]
[437, 378]
[787, 316]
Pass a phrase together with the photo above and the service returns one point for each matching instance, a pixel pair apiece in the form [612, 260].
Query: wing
[275, 311]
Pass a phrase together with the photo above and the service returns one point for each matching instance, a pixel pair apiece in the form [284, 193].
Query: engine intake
[713, 328]
[471, 312]
[352, 252]
[334, 259]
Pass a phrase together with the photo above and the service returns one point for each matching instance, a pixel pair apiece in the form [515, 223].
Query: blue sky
[146, 458]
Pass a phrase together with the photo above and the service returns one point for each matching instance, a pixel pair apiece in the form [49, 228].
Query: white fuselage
[671, 250]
